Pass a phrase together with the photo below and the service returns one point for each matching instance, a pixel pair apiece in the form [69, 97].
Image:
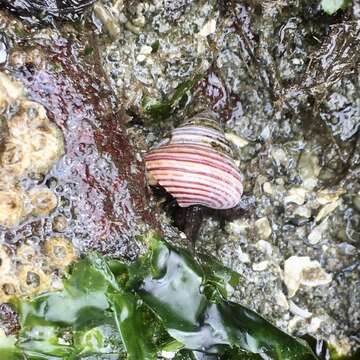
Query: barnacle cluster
[29, 146]
[34, 270]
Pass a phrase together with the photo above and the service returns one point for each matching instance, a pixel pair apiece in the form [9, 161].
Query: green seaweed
[162, 110]
[166, 301]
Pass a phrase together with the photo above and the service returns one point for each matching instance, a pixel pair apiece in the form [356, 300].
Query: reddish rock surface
[100, 184]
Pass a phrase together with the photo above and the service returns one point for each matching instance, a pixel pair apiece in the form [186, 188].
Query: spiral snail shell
[196, 165]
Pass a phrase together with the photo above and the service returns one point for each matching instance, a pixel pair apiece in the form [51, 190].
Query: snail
[196, 165]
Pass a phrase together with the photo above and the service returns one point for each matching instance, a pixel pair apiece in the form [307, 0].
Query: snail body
[196, 165]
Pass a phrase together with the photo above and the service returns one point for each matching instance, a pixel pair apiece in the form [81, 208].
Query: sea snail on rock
[196, 165]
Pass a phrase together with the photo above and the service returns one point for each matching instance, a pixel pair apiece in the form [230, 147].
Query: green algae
[167, 300]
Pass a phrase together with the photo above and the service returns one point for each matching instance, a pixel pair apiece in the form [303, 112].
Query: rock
[309, 169]
[279, 155]
[65, 9]
[300, 270]
[110, 22]
[105, 201]
[3, 52]
[140, 58]
[146, 50]
[294, 323]
[346, 249]
[174, 9]
[356, 202]
[263, 228]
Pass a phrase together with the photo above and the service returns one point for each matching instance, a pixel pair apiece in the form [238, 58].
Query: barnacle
[33, 144]
[3, 132]
[5, 261]
[46, 147]
[59, 251]
[15, 159]
[26, 254]
[10, 90]
[12, 208]
[30, 116]
[43, 201]
[60, 223]
[32, 280]
[9, 287]
[31, 126]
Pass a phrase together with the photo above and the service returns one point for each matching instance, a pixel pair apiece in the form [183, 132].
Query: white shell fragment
[300, 270]
[196, 166]
[263, 228]
[208, 28]
[326, 196]
[261, 266]
[236, 140]
[327, 210]
[317, 232]
[296, 195]
[297, 310]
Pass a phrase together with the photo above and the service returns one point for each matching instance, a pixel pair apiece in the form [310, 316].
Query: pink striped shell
[196, 166]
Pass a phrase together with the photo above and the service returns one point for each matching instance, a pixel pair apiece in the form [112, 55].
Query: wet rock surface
[69, 9]
[98, 184]
[284, 79]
